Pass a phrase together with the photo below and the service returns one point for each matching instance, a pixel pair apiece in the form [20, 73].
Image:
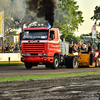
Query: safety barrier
[10, 56]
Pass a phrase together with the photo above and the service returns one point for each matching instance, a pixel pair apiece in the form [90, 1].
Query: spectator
[89, 48]
[79, 47]
[13, 47]
[82, 47]
[17, 48]
[86, 47]
[10, 48]
[70, 48]
[75, 49]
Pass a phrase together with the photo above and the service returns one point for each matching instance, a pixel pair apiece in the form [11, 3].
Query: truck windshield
[35, 34]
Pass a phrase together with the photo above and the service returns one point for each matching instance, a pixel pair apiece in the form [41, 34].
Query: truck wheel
[97, 62]
[55, 64]
[28, 65]
[48, 66]
[75, 63]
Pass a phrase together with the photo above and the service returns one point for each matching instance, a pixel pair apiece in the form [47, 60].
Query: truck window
[35, 34]
[52, 35]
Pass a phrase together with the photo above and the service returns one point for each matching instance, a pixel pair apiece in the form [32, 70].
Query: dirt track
[71, 88]
[8, 71]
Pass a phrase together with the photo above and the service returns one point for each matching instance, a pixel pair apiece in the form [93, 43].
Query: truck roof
[37, 28]
[40, 28]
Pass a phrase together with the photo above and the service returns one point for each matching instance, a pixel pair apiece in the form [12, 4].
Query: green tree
[71, 38]
[96, 15]
[5, 6]
[68, 18]
[11, 42]
[12, 33]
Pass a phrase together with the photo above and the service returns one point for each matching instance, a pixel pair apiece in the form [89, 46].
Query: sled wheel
[97, 62]
[75, 63]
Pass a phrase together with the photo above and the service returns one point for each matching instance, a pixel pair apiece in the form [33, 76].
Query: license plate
[40, 63]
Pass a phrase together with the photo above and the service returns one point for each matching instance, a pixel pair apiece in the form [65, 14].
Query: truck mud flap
[68, 62]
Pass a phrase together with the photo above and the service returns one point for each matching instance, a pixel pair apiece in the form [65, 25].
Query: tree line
[67, 16]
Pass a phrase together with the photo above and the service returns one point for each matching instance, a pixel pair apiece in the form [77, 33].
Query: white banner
[94, 31]
[94, 34]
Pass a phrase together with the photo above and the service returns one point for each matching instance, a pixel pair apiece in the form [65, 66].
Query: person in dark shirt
[89, 48]
[70, 49]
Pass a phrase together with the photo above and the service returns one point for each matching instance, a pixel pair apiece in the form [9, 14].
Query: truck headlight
[28, 54]
[44, 54]
[23, 54]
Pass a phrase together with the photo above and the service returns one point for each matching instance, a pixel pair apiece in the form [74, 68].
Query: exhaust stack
[43, 8]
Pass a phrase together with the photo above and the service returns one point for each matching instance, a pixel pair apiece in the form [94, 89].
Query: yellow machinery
[87, 59]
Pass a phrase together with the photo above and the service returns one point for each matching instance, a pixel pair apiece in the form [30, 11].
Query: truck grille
[33, 47]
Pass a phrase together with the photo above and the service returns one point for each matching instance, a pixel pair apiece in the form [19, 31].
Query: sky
[87, 7]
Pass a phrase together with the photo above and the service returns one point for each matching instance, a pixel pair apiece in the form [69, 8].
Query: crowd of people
[11, 47]
[81, 47]
[72, 48]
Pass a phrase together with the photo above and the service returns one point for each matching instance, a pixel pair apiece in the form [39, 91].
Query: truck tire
[97, 62]
[28, 65]
[48, 66]
[55, 64]
[71, 62]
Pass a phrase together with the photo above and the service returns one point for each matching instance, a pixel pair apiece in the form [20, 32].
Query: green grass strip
[11, 63]
[47, 76]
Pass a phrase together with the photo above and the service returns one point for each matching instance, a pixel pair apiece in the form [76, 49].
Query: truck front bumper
[37, 60]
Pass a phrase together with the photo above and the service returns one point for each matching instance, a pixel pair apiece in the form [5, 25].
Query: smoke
[18, 9]
[43, 8]
[3, 4]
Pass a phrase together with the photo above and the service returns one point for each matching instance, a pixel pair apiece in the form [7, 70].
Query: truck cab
[40, 45]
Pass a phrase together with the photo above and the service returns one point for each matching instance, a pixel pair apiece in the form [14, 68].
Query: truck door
[52, 40]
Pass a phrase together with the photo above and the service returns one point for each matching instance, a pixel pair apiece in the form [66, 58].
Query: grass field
[47, 76]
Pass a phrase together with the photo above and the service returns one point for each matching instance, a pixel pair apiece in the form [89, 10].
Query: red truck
[42, 45]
